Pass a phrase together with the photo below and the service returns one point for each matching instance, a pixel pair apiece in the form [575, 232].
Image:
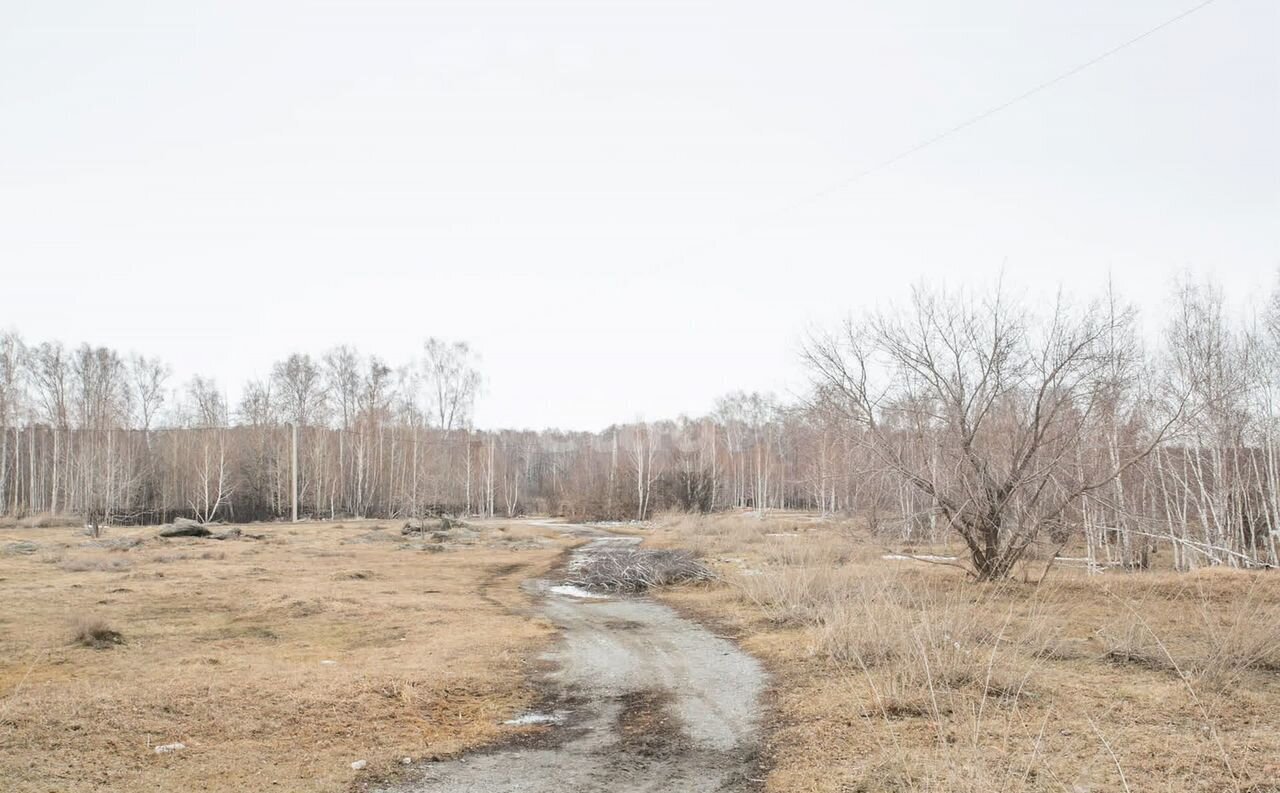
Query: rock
[406, 761]
[232, 533]
[439, 526]
[170, 747]
[184, 527]
[359, 765]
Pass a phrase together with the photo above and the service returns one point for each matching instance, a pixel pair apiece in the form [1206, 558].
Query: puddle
[572, 591]
[529, 719]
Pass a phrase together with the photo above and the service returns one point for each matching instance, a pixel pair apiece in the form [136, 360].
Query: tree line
[1021, 428]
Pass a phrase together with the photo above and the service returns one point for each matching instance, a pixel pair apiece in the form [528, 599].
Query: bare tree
[642, 448]
[101, 405]
[1221, 369]
[213, 487]
[147, 379]
[342, 380]
[12, 357]
[51, 372]
[982, 407]
[452, 381]
[300, 388]
[373, 403]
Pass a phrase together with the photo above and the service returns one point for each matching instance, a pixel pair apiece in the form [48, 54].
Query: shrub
[95, 633]
[96, 565]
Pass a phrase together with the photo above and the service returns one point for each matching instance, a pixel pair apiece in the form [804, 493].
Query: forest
[1024, 429]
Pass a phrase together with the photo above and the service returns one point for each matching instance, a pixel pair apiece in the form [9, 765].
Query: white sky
[572, 186]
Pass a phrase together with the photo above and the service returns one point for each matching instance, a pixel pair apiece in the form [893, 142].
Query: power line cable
[974, 119]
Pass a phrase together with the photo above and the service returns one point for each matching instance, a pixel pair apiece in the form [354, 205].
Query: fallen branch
[634, 570]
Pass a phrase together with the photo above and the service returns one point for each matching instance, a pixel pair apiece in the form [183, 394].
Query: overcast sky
[591, 192]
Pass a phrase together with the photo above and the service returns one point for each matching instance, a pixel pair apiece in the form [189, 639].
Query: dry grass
[86, 564]
[276, 662]
[903, 676]
[42, 520]
[95, 633]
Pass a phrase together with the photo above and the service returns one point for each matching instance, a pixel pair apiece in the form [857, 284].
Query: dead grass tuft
[95, 633]
[354, 575]
[96, 564]
[1218, 644]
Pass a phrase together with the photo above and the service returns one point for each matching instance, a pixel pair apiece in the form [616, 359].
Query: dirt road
[640, 700]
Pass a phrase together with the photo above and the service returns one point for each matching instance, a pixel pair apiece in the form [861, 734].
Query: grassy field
[280, 660]
[893, 675]
[277, 662]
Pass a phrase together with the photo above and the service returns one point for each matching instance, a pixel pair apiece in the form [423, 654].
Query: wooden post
[294, 424]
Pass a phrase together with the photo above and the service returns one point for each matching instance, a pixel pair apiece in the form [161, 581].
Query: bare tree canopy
[301, 390]
[452, 382]
[989, 409]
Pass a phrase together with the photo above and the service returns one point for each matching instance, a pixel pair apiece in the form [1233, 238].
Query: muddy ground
[637, 699]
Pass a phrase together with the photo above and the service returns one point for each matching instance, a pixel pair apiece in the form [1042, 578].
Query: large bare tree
[452, 382]
[985, 408]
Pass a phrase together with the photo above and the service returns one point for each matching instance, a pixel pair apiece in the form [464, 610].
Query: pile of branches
[635, 570]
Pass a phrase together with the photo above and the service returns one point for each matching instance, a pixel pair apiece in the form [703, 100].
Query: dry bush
[19, 548]
[796, 595]
[95, 633]
[41, 520]
[717, 535]
[797, 550]
[121, 543]
[85, 565]
[1129, 640]
[926, 637]
[1212, 646]
[636, 570]
[1246, 637]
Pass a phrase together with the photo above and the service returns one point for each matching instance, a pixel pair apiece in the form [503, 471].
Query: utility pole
[294, 424]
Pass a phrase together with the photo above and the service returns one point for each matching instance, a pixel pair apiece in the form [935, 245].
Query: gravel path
[641, 699]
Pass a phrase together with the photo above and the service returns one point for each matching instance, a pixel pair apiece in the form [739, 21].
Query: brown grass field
[277, 662]
[902, 676]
